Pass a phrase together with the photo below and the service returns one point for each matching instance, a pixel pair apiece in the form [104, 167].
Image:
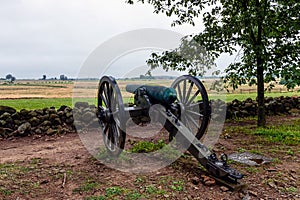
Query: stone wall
[274, 106]
[49, 121]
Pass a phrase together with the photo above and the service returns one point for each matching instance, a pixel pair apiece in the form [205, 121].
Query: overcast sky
[55, 37]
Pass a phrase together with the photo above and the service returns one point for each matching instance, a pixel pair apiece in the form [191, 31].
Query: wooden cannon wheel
[194, 105]
[111, 107]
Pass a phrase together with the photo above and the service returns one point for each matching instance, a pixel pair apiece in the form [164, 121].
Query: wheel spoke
[105, 128]
[104, 100]
[106, 94]
[195, 104]
[195, 113]
[193, 121]
[189, 92]
[113, 101]
[113, 139]
[193, 97]
[110, 94]
[116, 135]
[179, 92]
[184, 91]
[188, 124]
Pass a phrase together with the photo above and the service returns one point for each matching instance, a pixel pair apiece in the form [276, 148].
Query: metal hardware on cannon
[185, 108]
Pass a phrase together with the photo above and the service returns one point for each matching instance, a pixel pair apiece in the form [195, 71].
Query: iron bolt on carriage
[185, 109]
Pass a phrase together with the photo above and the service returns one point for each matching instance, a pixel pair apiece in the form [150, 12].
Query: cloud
[56, 36]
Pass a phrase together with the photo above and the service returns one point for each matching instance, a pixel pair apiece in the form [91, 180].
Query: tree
[10, 78]
[44, 77]
[63, 77]
[266, 32]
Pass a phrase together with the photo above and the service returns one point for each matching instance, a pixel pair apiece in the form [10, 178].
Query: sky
[54, 37]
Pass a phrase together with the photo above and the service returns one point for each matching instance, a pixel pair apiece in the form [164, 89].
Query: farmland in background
[33, 94]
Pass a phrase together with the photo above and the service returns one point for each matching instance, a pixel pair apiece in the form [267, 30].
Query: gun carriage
[183, 106]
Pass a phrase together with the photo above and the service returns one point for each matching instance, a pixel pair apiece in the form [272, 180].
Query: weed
[251, 169]
[241, 150]
[235, 130]
[35, 185]
[134, 195]
[139, 180]
[5, 191]
[35, 161]
[146, 147]
[276, 161]
[87, 186]
[113, 191]
[290, 152]
[291, 189]
[255, 151]
[202, 168]
[267, 181]
[177, 186]
[150, 189]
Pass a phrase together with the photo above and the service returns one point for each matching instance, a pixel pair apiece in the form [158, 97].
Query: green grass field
[244, 96]
[31, 104]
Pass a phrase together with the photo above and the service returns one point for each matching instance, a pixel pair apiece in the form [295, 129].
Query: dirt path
[61, 168]
[58, 149]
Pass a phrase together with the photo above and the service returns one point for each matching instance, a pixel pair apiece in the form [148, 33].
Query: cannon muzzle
[132, 88]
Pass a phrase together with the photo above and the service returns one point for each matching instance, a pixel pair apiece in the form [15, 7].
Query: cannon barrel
[158, 94]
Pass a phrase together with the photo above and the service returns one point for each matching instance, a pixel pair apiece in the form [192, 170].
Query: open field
[39, 94]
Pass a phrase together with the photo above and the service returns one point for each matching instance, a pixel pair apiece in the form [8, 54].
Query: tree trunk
[261, 122]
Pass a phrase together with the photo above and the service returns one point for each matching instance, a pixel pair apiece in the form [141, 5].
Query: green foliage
[146, 147]
[267, 32]
[291, 189]
[177, 185]
[290, 152]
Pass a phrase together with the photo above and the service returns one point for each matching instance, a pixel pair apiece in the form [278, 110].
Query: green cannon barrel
[159, 94]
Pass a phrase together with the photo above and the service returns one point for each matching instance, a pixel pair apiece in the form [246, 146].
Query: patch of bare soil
[61, 168]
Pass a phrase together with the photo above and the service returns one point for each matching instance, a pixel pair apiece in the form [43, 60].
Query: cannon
[186, 111]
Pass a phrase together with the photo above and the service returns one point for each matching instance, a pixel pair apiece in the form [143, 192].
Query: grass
[87, 187]
[244, 96]
[32, 104]
[38, 103]
[285, 134]
[113, 191]
[5, 191]
[177, 186]
[146, 147]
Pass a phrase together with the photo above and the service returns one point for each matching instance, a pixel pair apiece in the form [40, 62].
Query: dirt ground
[61, 168]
